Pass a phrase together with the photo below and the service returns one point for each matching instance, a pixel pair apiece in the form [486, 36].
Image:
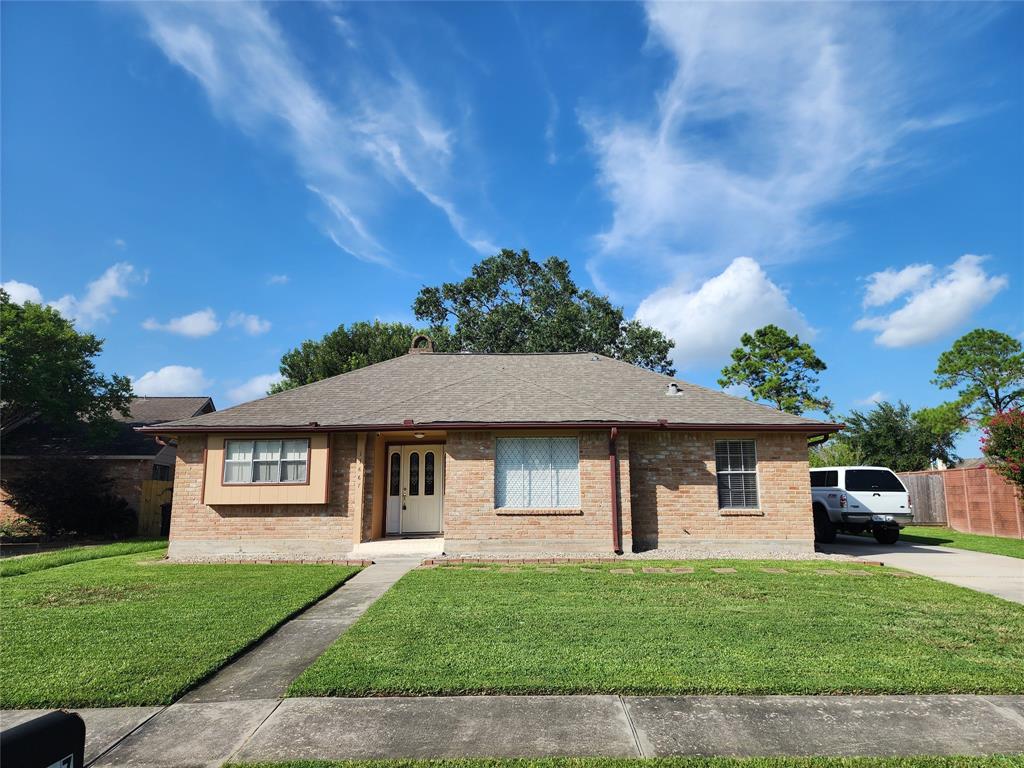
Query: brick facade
[667, 492]
[675, 493]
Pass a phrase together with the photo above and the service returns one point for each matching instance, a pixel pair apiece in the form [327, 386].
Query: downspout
[613, 475]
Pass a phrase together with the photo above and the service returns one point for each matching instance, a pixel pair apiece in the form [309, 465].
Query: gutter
[822, 428]
[613, 476]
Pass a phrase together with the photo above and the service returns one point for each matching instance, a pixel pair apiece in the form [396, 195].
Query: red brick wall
[675, 492]
[285, 531]
[472, 524]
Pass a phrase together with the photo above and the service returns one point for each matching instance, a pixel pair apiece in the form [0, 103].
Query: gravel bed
[693, 553]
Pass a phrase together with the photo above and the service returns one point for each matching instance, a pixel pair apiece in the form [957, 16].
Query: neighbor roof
[431, 390]
[36, 436]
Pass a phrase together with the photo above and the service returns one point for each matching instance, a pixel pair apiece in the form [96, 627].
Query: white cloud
[172, 380]
[772, 112]
[889, 284]
[934, 307]
[874, 398]
[706, 321]
[254, 325]
[198, 324]
[97, 303]
[22, 292]
[120, 243]
[254, 388]
[377, 133]
[278, 280]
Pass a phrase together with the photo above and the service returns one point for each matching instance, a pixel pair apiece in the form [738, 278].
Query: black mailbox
[54, 740]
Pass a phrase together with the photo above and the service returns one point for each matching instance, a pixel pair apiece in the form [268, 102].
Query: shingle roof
[36, 437]
[439, 390]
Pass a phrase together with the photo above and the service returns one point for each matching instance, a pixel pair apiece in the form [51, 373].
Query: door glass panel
[428, 474]
[414, 474]
[395, 481]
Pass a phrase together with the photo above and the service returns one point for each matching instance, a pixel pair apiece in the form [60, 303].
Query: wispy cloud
[201, 323]
[278, 280]
[254, 388]
[97, 303]
[254, 325]
[773, 111]
[172, 380]
[874, 398]
[349, 150]
[934, 306]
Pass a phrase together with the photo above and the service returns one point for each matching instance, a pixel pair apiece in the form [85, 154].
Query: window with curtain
[736, 467]
[266, 461]
[537, 472]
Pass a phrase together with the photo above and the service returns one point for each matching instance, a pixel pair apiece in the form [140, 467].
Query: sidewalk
[209, 734]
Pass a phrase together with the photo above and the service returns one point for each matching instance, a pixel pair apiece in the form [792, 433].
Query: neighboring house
[497, 453]
[129, 456]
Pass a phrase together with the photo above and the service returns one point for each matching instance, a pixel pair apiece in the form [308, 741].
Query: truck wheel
[886, 534]
[824, 530]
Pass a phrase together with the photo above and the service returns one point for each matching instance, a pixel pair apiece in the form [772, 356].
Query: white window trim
[509, 507]
[755, 473]
[252, 462]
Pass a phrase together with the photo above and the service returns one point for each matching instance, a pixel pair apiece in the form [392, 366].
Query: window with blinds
[736, 467]
[266, 461]
[537, 472]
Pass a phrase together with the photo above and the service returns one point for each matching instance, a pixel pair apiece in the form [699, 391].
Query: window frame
[252, 461]
[511, 509]
[757, 479]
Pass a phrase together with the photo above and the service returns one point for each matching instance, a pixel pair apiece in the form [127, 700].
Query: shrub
[69, 497]
[1002, 443]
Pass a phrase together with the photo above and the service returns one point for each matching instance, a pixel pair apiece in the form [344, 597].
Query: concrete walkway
[995, 574]
[208, 734]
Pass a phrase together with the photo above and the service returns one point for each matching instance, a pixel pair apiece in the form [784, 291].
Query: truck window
[824, 478]
[873, 480]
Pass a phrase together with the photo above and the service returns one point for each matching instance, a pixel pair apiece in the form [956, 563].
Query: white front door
[415, 488]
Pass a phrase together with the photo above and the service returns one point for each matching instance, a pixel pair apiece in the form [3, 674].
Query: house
[499, 453]
[129, 457]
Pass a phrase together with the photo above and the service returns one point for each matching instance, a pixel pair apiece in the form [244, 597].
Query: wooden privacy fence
[973, 500]
[155, 493]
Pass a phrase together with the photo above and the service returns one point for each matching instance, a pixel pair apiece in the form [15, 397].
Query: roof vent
[421, 343]
[671, 388]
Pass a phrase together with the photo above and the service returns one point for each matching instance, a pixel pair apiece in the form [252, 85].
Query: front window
[873, 480]
[266, 461]
[736, 467]
[537, 472]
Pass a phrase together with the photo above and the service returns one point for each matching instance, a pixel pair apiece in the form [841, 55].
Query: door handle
[876, 494]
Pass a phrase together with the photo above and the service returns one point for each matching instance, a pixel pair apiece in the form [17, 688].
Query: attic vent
[421, 343]
[671, 388]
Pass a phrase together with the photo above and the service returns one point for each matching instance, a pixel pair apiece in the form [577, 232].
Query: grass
[17, 566]
[467, 630]
[131, 630]
[947, 537]
[992, 761]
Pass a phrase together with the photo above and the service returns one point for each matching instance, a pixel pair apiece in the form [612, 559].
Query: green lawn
[463, 629]
[17, 566]
[1007, 761]
[947, 537]
[131, 630]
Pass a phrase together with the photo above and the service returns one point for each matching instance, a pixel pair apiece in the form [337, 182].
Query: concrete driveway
[998, 575]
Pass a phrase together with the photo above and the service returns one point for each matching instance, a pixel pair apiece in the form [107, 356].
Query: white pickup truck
[859, 499]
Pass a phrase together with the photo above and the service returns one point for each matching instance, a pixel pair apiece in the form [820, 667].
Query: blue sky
[205, 186]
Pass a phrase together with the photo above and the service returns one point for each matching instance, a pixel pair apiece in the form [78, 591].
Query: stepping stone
[622, 570]
[724, 570]
[681, 569]
[480, 568]
[901, 574]
[827, 572]
[858, 573]
[508, 570]
[589, 570]
[653, 570]
[547, 570]
[774, 570]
